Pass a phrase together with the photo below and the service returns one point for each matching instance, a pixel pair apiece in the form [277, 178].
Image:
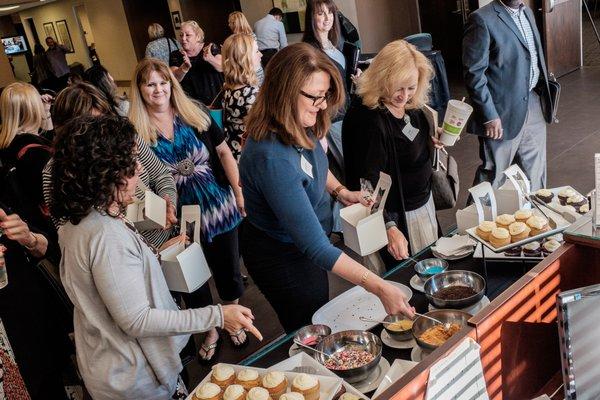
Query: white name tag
[306, 166]
[410, 131]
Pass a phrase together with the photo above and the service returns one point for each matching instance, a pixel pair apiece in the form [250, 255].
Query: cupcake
[584, 209]
[549, 247]
[276, 383]
[222, 375]
[523, 215]
[234, 392]
[576, 201]
[518, 231]
[292, 396]
[349, 396]
[208, 391]
[563, 195]
[538, 225]
[533, 249]
[558, 237]
[258, 393]
[514, 252]
[499, 237]
[248, 378]
[484, 229]
[544, 195]
[308, 385]
[504, 220]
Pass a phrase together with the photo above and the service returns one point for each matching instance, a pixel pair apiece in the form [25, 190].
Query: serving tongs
[329, 356]
[446, 325]
[537, 205]
[569, 217]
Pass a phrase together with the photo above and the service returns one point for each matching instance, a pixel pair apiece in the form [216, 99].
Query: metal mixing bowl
[454, 278]
[397, 335]
[422, 266]
[338, 341]
[312, 330]
[421, 324]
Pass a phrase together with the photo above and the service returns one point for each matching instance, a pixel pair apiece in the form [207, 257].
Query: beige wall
[255, 9]
[53, 12]
[6, 75]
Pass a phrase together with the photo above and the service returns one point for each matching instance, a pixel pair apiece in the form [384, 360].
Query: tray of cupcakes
[532, 251]
[235, 382]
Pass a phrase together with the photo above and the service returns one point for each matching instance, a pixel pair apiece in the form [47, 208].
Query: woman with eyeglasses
[287, 188]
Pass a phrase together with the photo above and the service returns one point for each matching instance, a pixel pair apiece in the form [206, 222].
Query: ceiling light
[8, 8]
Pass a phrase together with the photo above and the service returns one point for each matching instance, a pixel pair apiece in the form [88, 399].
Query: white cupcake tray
[561, 225]
[329, 385]
[343, 312]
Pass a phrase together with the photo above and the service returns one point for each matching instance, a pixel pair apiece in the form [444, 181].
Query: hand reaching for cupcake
[236, 317]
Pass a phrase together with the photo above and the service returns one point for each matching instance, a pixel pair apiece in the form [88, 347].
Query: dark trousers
[293, 285]
[267, 54]
[223, 257]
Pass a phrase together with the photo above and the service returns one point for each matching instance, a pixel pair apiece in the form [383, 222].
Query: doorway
[86, 31]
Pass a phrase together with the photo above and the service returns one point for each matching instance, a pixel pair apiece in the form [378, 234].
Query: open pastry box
[330, 386]
[511, 197]
[151, 213]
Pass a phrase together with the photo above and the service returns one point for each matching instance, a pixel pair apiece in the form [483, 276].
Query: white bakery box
[185, 267]
[363, 227]
[148, 214]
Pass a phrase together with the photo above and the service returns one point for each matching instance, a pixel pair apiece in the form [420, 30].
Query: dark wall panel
[211, 15]
[140, 14]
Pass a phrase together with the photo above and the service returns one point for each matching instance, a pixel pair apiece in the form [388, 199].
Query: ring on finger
[239, 331]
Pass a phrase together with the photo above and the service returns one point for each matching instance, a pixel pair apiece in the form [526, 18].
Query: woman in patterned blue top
[183, 136]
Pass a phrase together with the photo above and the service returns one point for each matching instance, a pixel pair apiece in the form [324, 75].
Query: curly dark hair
[92, 158]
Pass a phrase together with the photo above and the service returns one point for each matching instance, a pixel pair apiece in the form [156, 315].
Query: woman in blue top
[183, 136]
[287, 187]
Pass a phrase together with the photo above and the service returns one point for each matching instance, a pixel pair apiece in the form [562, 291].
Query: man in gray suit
[505, 73]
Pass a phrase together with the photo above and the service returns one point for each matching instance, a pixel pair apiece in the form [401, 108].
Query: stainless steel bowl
[310, 331]
[421, 267]
[421, 324]
[454, 278]
[397, 335]
[338, 341]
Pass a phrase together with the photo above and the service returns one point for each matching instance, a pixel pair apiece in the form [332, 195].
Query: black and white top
[154, 175]
[236, 105]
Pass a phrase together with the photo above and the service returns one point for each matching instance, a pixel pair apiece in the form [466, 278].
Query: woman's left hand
[436, 142]
[171, 214]
[357, 75]
[175, 240]
[348, 198]
[239, 201]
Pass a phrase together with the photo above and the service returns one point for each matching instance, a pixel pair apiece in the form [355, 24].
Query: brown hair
[77, 100]
[275, 110]
[237, 61]
[239, 23]
[310, 23]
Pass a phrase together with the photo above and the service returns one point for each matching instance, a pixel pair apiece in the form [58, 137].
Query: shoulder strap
[169, 44]
[26, 148]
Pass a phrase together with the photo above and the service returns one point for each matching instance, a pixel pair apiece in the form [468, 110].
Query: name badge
[410, 131]
[306, 166]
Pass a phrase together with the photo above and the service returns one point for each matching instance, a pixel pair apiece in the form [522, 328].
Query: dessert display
[222, 375]
[207, 391]
[438, 334]
[276, 383]
[348, 359]
[400, 326]
[292, 396]
[504, 220]
[544, 195]
[563, 195]
[533, 249]
[484, 229]
[247, 378]
[258, 393]
[513, 252]
[456, 292]
[550, 246]
[523, 215]
[538, 225]
[519, 231]
[307, 385]
[234, 392]
[499, 237]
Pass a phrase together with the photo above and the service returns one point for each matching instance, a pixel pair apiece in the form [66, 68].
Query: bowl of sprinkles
[352, 355]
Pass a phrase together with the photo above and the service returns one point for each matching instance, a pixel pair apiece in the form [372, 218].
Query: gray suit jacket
[496, 65]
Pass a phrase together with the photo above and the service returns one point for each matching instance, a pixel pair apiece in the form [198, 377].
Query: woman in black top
[198, 65]
[387, 130]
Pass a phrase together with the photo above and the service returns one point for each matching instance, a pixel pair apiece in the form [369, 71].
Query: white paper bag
[477, 212]
[185, 270]
[363, 227]
[148, 214]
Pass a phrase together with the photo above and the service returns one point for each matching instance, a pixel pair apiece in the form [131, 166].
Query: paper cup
[455, 119]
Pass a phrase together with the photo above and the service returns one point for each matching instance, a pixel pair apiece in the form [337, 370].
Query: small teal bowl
[425, 269]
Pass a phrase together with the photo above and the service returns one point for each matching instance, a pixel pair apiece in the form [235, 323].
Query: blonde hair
[237, 61]
[392, 67]
[188, 110]
[276, 107]
[155, 31]
[195, 27]
[238, 22]
[20, 106]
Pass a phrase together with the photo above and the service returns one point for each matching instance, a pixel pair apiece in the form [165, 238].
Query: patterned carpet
[591, 47]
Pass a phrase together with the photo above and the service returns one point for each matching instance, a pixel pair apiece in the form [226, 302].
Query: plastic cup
[455, 119]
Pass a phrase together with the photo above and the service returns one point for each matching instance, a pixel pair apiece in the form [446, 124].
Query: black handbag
[550, 103]
[444, 180]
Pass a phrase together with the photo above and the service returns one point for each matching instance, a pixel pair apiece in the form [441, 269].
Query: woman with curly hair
[240, 60]
[128, 329]
[182, 134]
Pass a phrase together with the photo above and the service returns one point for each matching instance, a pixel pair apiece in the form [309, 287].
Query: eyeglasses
[317, 100]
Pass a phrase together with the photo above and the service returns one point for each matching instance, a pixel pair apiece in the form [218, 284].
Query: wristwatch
[336, 192]
[390, 224]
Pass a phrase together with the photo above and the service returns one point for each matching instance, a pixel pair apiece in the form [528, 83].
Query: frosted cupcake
[504, 220]
[207, 391]
[248, 378]
[222, 375]
[292, 396]
[276, 383]
[484, 229]
[234, 392]
[308, 385]
[258, 393]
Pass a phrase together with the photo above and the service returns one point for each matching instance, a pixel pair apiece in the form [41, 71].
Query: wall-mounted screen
[14, 45]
